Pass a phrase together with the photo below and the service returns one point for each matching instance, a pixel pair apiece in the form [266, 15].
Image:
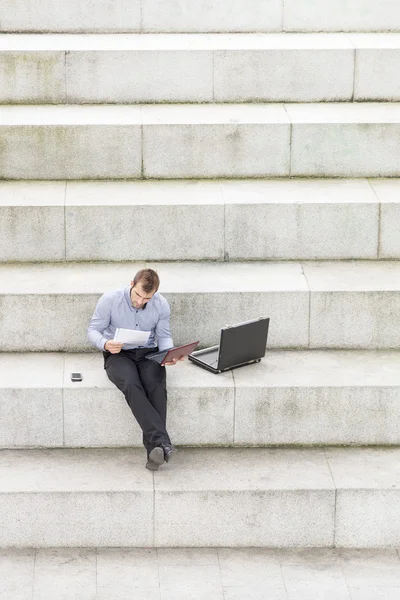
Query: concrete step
[199, 141]
[193, 16]
[204, 573]
[291, 398]
[356, 304]
[75, 69]
[199, 220]
[215, 497]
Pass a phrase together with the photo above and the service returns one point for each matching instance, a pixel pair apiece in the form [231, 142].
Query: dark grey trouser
[143, 383]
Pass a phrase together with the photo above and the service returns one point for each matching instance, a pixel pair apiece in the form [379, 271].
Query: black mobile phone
[76, 376]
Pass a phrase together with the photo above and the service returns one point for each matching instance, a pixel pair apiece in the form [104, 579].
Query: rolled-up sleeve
[163, 328]
[100, 321]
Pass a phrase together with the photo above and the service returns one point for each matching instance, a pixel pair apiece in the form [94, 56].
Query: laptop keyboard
[159, 357]
[211, 358]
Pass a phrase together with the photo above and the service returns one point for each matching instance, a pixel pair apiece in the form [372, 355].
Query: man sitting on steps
[143, 382]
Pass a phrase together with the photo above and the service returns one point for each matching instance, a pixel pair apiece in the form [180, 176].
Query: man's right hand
[113, 347]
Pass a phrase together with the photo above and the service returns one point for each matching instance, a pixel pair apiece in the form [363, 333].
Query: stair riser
[204, 417]
[208, 232]
[338, 319]
[70, 315]
[275, 75]
[212, 518]
[199, 151]
[285, 219]
[192, 16]
[286, 518]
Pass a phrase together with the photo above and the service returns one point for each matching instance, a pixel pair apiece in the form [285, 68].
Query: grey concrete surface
[369, 480]
[388, 193]
[209, 141]
[215, 141]
[326, 140]
[71, 152]
[104, 16]
[17, 574]
[344, 497]
[75, 569]
[200, 407]
[293, 204]
[350, 307]
[66, 298]
[31, 417]
[61, 487]
[376, 69]
[253, 499]
[169, 220]
[325, 15]
[316, 398]
[198, 220]
[226, 150]
[131, 68]
[163, 232]
[292, 75]
[217, 16]
[300, 219]
[32, 77]
[32, 223]
[152, 76]
[43, 239]
[62, 499]
[204, 573]
[353, 304]
[368, 314]
[188, 16]
[291, 397]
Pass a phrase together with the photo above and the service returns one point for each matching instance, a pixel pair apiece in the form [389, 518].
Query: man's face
[138, 296]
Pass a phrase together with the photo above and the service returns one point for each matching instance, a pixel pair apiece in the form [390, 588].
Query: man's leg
[154, 381]
[123, 372]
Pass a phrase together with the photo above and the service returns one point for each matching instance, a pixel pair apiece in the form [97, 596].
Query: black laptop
[239, 345]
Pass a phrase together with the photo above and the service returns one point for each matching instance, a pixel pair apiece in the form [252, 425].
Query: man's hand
[174, 361]
[113, 347]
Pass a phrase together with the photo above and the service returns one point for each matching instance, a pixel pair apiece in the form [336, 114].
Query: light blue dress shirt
[115, 309]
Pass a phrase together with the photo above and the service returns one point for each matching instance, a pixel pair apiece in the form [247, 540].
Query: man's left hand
[174, 361]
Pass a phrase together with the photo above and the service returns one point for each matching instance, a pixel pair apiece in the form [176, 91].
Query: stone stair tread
[292, 398]
[289, 219]
[200, 192]
[198, 68]
[119, 470]
[209, 497]
[191, 141]
[200, 114]
[203, 277]
[363, 298]
[195, 41]
[279, 369]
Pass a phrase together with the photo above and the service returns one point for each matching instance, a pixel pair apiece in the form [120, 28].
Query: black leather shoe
[168, 451]
[156, 459]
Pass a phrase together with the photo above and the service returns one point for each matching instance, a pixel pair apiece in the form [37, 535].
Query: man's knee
[153, 377]
[123, 375]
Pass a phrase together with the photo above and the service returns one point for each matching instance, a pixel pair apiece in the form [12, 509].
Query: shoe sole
[156, 459]
[170, 456]
[152, 466]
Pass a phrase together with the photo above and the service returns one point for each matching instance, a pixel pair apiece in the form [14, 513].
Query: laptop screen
[243, 342]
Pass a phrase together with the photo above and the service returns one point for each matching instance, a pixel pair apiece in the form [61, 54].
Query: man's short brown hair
[149, 280]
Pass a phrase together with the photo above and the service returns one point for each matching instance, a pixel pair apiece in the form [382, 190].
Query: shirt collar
[128, 291]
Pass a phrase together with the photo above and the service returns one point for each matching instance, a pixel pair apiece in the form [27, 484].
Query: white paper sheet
[131, 336]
